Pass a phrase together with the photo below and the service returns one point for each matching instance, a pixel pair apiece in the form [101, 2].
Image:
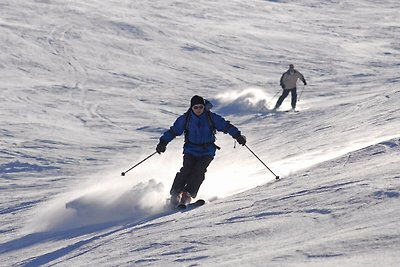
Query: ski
[198, 203]
[291, 111]
[272, 112]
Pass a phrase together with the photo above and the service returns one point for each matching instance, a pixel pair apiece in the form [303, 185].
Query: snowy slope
[88, 87]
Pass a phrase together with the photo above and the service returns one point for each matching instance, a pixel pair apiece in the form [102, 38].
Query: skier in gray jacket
[288, 83]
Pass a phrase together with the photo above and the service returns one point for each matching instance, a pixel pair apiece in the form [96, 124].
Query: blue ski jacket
[199, 132]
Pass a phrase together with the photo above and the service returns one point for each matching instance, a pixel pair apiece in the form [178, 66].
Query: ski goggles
[198, 107]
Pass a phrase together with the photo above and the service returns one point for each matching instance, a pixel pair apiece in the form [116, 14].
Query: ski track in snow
[88, 87]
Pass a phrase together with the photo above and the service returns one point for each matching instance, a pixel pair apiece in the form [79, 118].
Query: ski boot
[175, 199]
[185, 199]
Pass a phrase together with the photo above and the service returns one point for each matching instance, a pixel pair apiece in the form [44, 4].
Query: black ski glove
[241, 139]
[161, 147]
[305, 83]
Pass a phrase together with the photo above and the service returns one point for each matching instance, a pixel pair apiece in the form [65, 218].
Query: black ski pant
[285, 93]
[191, 175]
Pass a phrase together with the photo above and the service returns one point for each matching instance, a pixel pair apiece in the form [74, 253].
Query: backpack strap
[186, 125]
[211, 123]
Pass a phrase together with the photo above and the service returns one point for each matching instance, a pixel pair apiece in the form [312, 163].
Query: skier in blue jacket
[199, 126]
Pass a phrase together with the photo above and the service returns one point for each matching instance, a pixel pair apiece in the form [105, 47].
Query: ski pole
[123, 173]
[276, 177]
[273, 97]
[301, 93]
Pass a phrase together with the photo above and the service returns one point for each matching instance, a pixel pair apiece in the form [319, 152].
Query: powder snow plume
[246, 101]
[99, 203]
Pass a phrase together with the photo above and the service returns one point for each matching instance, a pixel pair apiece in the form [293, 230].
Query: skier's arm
[281, 81]
[224, 126]
[175, 130]
[303, 79]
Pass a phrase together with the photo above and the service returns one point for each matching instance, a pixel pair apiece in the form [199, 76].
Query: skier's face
[291, 69]
[198, 109]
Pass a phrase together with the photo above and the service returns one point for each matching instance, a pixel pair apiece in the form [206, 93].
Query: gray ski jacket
[289, 80]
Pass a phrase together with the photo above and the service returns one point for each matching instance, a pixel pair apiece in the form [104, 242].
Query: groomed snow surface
[88, 87]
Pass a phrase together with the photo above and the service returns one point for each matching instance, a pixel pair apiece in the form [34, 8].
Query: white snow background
[87, 88]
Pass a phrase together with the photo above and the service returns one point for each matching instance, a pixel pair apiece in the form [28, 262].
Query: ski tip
[197, 203]
[200, 202]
